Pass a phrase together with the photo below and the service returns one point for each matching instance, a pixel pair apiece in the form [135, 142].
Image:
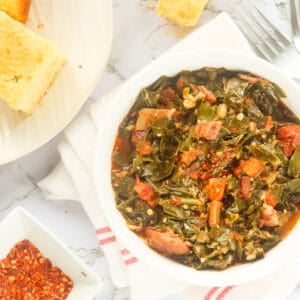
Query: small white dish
[117, 109]
[82, 30]
[20, 225]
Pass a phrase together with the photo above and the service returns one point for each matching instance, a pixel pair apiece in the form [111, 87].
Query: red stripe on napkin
[224, 292]
[210, 293]
[130, 261]
[125, 251]
[107, 240]
[103, 230]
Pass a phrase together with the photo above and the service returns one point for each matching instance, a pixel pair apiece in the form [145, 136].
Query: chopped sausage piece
[253, 166]
[216, 189]
[167, 96]
[245, 186]
[166, 242]
[268, 216]
[270, 199]
[209, 96]
[148, 115]
[145, 192]
[209, 130]
[290, 136]
[214, 213]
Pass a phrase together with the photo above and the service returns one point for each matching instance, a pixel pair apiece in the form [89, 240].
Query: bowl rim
[275, 258]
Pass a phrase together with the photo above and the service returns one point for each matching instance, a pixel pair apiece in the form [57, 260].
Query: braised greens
[206, 167]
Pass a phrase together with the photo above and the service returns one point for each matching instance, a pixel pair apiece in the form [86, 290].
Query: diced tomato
[209, 96]
[216, 188]
[248, 101]
[167, 96]
[175, 201]
[214, 212]
[208, 130]
[236, 170]
[245, 186]
[148, 115]
[268, 216]
[253, 166]
[288, 131]
[288, 148]
[269, 124]
[271, 199]
[145, 148]
[145, 192]
[189, 156]
[166, 242]
[290, 138]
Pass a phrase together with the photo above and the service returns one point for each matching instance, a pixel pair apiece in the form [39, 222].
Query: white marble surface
[139, 36]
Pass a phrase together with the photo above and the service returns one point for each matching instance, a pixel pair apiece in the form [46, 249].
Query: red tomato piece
[216, 188]
[145, 148]
[189, 156]
[145, 192]
[290, 138]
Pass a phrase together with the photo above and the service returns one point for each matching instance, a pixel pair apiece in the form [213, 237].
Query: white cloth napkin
[72, 179]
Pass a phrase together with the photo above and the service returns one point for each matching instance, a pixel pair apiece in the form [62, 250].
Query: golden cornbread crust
[17, 9]
[28, 65]
[182, 12]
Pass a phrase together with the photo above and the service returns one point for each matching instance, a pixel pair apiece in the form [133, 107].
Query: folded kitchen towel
[72, 179]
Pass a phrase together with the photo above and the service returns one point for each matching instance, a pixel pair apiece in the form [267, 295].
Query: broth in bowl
[205, 167]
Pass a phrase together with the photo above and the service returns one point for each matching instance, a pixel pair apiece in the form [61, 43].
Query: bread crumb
[181, 12]
[40, 26]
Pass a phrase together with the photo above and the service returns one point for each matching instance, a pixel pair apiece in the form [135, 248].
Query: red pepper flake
[175, 201]
[233, 129]
[26, 274]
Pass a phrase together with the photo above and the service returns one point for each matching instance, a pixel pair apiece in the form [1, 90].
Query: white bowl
[20, 225]
[82, 30]
[117, 110]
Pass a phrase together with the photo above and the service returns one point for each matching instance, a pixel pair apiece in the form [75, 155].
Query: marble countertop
[139, 37]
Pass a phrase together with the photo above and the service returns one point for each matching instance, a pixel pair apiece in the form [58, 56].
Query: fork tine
[268, 41]
[261, 33]
[295, 13]
[281, 37]
[252, 37]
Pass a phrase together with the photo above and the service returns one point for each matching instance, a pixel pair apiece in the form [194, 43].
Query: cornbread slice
[182, 12]
[28, 65]
[17, 9]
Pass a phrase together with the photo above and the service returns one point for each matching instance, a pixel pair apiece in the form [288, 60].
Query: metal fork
[265, 38]
[295, 17]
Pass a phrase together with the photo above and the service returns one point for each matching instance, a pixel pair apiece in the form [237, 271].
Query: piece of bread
[17, 9]
[182, 12]
[28, 65]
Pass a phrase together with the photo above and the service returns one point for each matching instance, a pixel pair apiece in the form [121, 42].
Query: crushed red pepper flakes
[25, 274]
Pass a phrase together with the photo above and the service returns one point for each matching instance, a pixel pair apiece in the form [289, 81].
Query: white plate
[20, 225]
[170, 65]
[83, 32]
